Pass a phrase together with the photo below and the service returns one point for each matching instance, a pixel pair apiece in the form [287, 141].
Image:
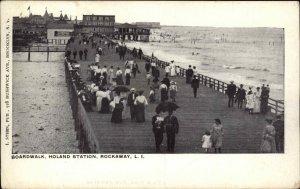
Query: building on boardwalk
[33, 29]
[148, 25]
[59, 33]
[131, 32]
[91, 24]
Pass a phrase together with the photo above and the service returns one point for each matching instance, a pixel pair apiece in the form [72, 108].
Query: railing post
[28, 54]
[205, 80]
[47, 54]
[223, 87]
[218, 86]
[276, 107]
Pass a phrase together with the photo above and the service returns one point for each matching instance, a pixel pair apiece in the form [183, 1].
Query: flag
[28, 8]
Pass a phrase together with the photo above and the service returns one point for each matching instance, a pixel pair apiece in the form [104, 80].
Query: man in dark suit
[172, 128]
[189, 74]
[158, 129]
[240, 96]
[231, 90]
[130, 102]
[195, 85]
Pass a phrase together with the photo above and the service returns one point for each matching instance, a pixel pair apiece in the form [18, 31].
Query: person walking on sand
[231, 90]
[158, 129]
[172, 128]
[217, 136]
[206, 142]
[195, 86]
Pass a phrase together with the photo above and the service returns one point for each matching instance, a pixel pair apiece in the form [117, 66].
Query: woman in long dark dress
[116, 116]
[105, 102]
[127, 74]
[119, 77]
[140, 103]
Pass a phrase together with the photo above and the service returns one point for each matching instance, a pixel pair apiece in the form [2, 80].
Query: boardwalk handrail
[88, 142]
[38, 48]
[276, 105]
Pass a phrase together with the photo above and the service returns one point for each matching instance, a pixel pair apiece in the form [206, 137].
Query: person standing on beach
[279, 135]
[231, 90]
[195, 86]
[158, 129]
[172, 128]
[240, 96]
[189, 74]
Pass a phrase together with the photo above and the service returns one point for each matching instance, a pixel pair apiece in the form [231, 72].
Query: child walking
[206, 141]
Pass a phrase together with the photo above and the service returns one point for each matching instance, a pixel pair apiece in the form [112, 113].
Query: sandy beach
[42, 117]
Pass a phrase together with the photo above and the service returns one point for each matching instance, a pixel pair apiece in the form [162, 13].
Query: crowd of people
[105, 95]
[254, 101]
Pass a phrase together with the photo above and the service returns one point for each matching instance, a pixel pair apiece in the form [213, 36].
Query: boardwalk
[242, 132]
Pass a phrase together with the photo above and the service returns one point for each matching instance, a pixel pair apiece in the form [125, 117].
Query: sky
[184, 13]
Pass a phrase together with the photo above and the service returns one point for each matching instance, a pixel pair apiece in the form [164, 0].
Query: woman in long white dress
[99, 95]
[173, 69]
[111, 74]
[256, 97]
[250, 101]
[97, 58]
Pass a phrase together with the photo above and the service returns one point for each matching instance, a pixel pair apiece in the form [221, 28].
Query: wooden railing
[88, 142]
[275, 106]
[39, 48]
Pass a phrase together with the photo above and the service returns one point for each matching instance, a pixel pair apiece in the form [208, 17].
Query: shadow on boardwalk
[242, 132]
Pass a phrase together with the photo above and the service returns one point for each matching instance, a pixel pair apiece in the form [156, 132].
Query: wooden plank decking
[242, 132]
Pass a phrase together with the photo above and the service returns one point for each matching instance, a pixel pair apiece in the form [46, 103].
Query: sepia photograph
[93, 83]
[128, 80]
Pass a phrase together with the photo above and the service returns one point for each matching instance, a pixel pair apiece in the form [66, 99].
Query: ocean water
[249, 56]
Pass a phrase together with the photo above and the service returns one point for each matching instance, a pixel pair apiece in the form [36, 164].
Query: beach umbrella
[121, 88]
[166, 106]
